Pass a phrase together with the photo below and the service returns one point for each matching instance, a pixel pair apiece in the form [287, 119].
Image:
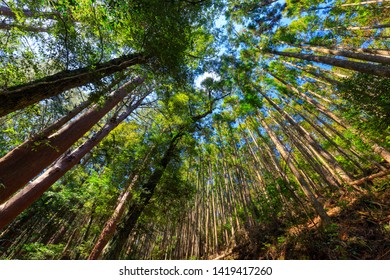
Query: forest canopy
[183, 129]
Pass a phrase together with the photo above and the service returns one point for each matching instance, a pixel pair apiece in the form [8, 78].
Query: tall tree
[33, 158]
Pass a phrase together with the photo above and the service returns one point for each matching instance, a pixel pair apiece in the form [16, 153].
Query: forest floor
[360, 229]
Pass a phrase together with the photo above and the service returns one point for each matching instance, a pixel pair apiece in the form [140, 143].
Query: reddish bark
[34, 190]
[21, 165]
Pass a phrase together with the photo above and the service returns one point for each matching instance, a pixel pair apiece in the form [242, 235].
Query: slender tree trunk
[321, 76]
[306, 189]
[33, 191]
[148, 189]
[21, 165]
[310, 100]
[364, 3]
[378, 26]
[311, 155]
[110, 226]
[367, 68]
[328, 137]
[350, 54]
[382, 52]
[363, 180]
[375, 147]
[280, 171]
[21, 96]
[326, 156]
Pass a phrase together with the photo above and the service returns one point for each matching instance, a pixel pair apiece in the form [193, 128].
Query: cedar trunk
[33, 191]
[21, 165]
[367, 68]
[21, 96]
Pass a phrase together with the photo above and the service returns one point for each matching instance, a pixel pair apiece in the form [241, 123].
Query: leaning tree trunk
[349, 54]
[370, 27]
[310, 100]
[304, 186]
[21, 165]
[21, 96]
[132, 216]
[33, 191]
[110, 226]
[322, 153]
[382, 52]
[362, 67]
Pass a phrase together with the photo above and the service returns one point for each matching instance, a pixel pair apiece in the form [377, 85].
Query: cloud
[199, 79]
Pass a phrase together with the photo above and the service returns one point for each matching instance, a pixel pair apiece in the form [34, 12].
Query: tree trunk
[350, 54]
[305, 188]
[367, 68]
[34, 190]
[310, 100]
[378, 26]
[21, 96]
[321, 76]
[110, 226]
[371, 177]
[375, 147]
[311, 155]
[326, 156]
[148, 188]
[21, 165]
[364, 3]
[382, 52]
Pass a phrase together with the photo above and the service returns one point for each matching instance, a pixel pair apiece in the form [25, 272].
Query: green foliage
[371, 95]
[39, 251]
[227, 180]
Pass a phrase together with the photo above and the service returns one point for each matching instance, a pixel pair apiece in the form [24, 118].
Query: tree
[32, 158]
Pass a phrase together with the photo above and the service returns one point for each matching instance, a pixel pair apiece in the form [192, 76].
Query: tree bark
[34, 190]
[148, 188]
[21, 165]
[110, 226]
[306, 189]
[367, 68]
[382, 52]
[21, 96]
[349, 54]
[326, 156]
[378, 26]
